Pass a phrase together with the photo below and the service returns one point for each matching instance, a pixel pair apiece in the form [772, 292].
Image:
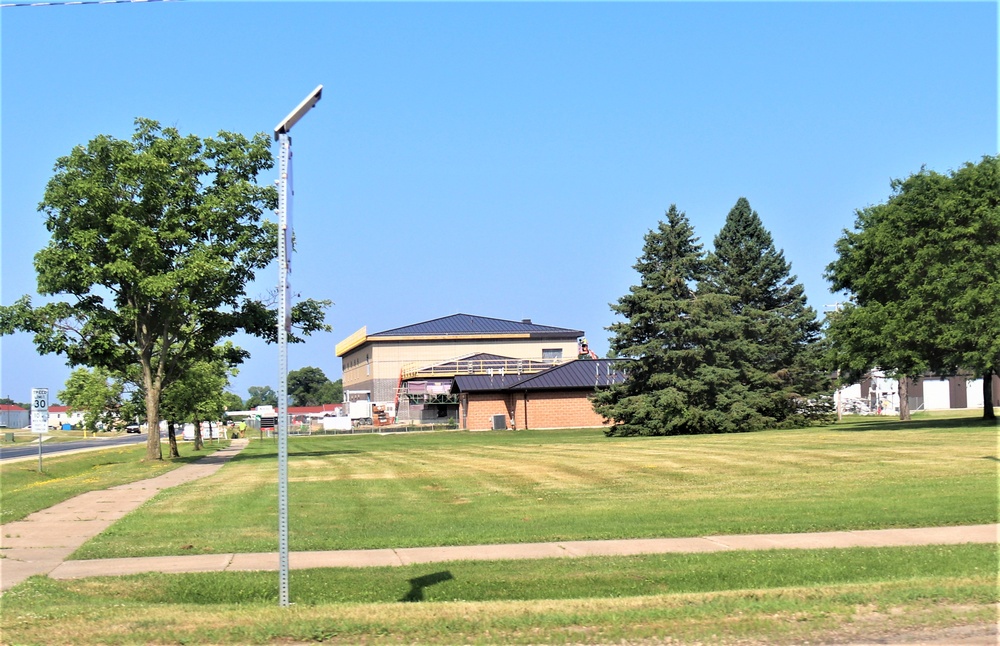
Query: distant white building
[59, 415]
[12, 416]
[879, 394]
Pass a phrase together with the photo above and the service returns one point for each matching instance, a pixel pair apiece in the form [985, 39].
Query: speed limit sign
[39, 410]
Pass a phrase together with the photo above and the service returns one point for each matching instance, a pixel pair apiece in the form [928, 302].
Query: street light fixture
[285, 323]
[300, 110]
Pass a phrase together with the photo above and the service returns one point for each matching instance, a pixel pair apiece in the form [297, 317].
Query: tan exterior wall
[556, 409]
[379, 364]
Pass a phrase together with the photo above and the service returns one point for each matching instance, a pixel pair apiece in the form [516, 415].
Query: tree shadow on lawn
[916, 424]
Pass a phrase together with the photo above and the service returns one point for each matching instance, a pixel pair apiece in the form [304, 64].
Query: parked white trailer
[360, 412]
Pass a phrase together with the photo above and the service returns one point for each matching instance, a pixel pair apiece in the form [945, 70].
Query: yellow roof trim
[351, 342]
[448, 337]
[361, 336]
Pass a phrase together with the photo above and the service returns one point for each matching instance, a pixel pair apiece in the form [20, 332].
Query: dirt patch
[967, 635]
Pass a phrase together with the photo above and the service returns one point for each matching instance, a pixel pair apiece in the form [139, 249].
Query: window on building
[552, 353]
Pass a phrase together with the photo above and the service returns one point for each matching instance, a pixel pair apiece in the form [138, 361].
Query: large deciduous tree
[102, 397]
[309, 386]
[199, 395]
[261, 396]
[922, 271]
[154, 241]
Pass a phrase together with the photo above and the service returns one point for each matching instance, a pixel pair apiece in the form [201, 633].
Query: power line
[76, 2]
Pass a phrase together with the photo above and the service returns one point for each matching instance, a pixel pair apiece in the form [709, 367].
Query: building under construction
[410, 371]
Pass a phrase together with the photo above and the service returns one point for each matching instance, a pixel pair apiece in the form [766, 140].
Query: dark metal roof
[483, 383]
[582, 373]
[466, 324]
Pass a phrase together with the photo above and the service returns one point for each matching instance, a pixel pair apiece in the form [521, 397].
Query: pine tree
[664, 335]
[771, 342]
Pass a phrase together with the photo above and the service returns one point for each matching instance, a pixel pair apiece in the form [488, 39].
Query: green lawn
[23, 490]
[773, 597]
[457, 487]
[498, 487]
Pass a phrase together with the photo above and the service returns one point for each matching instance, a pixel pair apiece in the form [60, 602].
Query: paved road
[30, 448]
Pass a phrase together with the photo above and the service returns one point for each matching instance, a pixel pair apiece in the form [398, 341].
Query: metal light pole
[285, 322]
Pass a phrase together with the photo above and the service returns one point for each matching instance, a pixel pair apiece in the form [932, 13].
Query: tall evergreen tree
[772, 346]
[664, 335]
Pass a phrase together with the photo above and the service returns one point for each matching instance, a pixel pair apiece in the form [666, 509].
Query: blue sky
[503, 159]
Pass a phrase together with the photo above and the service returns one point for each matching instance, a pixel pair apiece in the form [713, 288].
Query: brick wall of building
[558, 409]
[480, 409]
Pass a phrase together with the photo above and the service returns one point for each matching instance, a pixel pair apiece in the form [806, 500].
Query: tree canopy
[154, 241]
[716, 343]
[199, 394]
[104, 398]
[261, 396]
[309, 386]
[774, 345]
[661, 334]
[921, 272]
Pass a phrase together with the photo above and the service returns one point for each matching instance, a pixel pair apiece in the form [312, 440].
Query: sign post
[39, 417]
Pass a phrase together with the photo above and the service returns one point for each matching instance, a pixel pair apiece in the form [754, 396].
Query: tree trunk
[198, 443]
[153, 449]
[988, 412]
[904, 399]
[172, 440]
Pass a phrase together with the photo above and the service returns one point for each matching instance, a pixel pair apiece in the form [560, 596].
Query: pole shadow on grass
[418, 584]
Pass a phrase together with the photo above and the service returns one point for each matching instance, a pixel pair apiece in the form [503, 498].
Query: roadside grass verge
[23, 437]
[786, 596]
[23, 490]
[461, 488]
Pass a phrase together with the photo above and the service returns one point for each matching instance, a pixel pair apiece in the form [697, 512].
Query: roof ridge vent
[526, 321]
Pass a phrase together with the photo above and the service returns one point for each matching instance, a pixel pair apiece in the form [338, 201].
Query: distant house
[410, 369]
[12, 416]
[59, 415]
[558, 397]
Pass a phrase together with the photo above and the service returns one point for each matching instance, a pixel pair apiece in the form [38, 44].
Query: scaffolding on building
[416, 385]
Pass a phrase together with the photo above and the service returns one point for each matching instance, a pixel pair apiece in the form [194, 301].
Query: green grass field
[771, 597]
[23, 490]
[509, 487]
[461, 488]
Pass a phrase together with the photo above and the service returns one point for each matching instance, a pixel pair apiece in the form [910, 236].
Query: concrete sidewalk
[565, 549]
[43, 540]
